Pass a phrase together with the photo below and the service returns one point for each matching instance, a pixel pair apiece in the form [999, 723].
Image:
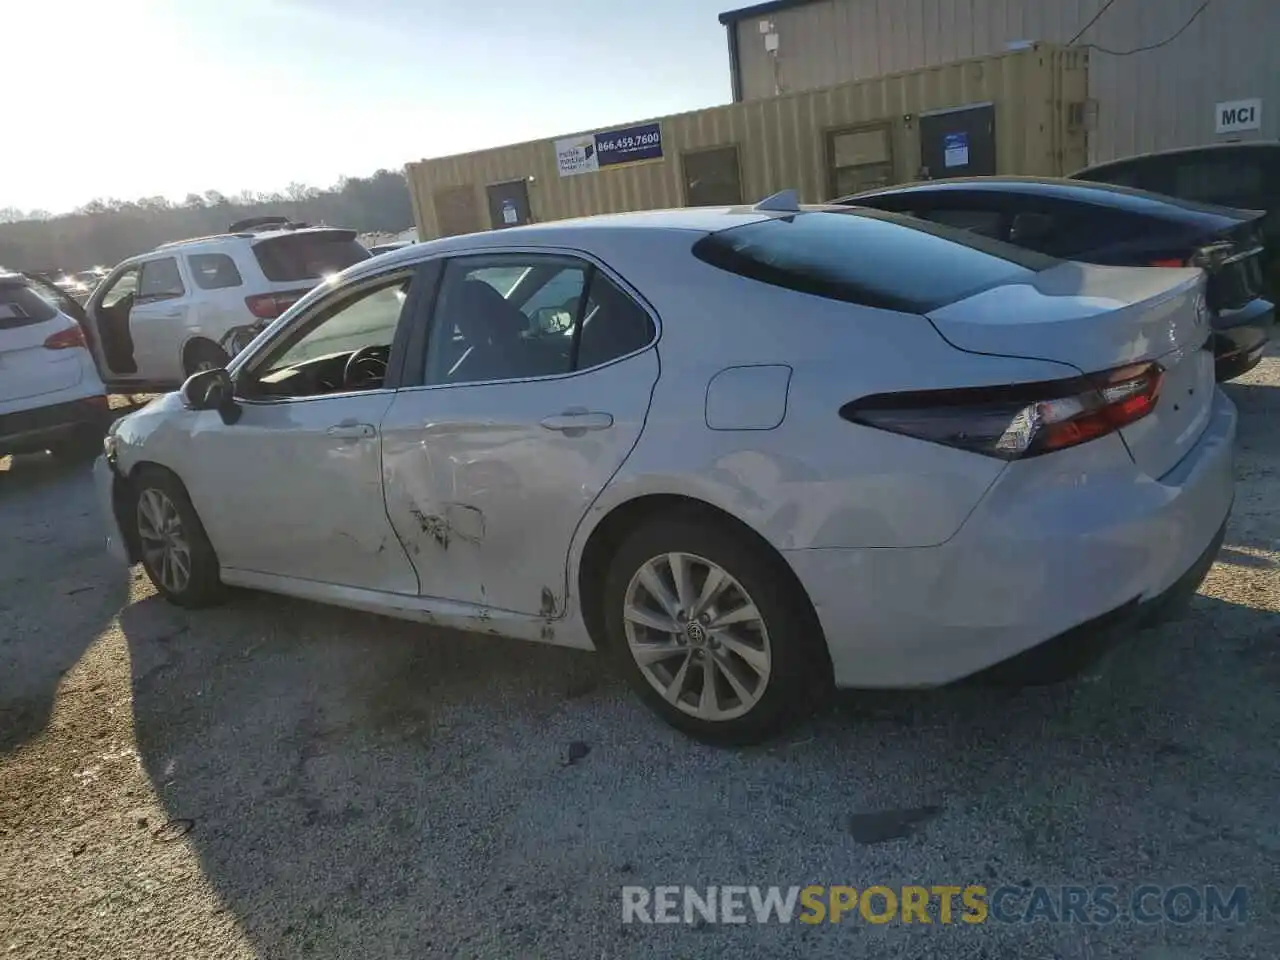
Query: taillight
[65, 339]
[268, 306]
[1169, 262]
[1022, 420]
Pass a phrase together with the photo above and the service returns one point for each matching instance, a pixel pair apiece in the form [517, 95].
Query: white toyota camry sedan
[751, 452]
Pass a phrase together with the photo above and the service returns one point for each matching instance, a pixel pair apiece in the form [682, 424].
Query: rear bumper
[25, 430]
[1241, 337]
[1042, 554]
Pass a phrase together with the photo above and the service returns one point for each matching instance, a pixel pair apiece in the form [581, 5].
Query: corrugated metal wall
[1146, 101]
[782, 142]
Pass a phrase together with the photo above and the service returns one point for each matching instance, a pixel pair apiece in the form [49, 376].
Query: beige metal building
[1018, 112]
[1162, 73]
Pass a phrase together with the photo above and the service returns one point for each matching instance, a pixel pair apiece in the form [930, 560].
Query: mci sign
[1237, 115]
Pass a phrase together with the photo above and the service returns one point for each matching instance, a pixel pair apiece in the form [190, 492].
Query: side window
[504, 318]
[313, 359]
[213, 271]
[613, 324]
[986, 223]
[160, 280]
[558, 314]
[122, 286]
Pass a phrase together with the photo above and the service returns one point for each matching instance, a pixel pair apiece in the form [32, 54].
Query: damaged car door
[288, 480]
[530, 393]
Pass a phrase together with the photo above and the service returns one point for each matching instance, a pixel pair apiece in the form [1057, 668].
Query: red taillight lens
[1169, 262]
[1023, 420]
[268, 306]
[65, 339]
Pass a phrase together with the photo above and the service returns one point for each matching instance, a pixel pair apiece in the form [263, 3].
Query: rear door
[532, 391]
[30, 363]
[159, 320]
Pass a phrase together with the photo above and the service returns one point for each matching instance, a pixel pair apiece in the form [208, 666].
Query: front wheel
[176, 553]
[712, 631]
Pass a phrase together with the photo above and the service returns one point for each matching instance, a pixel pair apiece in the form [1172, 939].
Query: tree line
[107, 231]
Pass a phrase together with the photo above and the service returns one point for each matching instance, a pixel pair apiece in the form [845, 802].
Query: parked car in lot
[749, 452]
[381, 248]
[192, 304]
[1245, 175]
[50, 395]
[1117, 226]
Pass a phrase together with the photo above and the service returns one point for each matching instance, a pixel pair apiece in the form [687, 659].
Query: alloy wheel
[697, 636]
[165, 549]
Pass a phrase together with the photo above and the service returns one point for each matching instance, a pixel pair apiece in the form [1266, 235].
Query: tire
[204, 355]
[789, 653]
[158, 497]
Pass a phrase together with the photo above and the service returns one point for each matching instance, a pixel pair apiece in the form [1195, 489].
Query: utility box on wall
[1012, 113]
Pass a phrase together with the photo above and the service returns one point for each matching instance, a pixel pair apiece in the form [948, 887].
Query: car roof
[569, 233]
[1182, 151]
[1129, 199]
[245, 237]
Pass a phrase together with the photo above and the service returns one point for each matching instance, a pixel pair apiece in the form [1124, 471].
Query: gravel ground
[279, 779]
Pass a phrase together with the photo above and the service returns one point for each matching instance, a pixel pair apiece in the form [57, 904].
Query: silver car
[751, 452]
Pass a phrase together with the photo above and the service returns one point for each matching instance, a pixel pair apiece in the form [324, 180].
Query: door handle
[350, 430]
[578, 421]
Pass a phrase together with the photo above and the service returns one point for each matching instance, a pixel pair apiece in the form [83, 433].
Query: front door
[508, 204]
[294, 486]
[534, 388]
[959, 143]
[158, 321]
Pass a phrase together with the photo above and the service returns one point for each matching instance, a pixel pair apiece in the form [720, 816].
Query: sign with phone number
[594, 151]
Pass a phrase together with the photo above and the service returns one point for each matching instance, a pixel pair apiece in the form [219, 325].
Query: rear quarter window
[213, 271]
[869, 257]
[308, 256]
[20, 306]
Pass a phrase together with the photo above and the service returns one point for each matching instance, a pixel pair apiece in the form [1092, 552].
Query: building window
[859, 159]
[711, 177]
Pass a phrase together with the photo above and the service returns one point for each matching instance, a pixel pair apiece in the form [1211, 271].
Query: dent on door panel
[486, 484]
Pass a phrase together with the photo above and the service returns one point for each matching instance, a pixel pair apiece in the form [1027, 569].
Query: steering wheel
[367, 367]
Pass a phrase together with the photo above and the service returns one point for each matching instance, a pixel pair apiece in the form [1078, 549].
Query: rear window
[20, 306]
[308, 256]
[869, 257]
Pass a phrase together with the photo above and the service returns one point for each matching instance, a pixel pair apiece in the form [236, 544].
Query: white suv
[193, 304]
[50, 395]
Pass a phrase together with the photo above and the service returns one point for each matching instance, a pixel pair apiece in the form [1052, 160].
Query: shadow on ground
[55, 563]
[360, 784]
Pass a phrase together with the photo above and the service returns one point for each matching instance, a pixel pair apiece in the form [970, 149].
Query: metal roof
[761, 10]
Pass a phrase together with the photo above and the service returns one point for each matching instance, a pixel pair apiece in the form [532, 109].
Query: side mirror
[211, 390]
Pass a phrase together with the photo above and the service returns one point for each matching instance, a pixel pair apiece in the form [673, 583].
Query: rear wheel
[175, 551]
[204, 355]
[712, 631]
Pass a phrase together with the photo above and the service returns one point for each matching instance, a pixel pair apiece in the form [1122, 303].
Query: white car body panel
[881, 530]
[487, 483]
[260, 485]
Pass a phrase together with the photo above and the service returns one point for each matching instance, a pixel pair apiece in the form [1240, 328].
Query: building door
[958, 143]
[508, 204]
[711, 178]
[860, 158]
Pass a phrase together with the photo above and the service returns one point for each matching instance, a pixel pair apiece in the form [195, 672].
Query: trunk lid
[1100, 318]
[28, 368]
